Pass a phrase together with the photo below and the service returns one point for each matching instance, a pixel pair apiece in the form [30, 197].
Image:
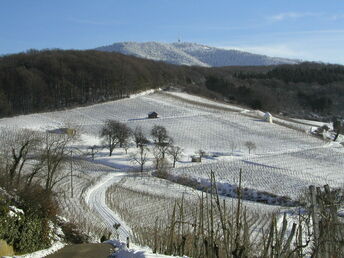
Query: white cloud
[291, 15]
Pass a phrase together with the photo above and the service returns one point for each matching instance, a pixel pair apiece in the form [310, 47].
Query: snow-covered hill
[193, 54]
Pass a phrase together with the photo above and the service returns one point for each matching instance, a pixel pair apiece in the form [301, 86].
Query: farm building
[68, 131]
[196, 159]
[268, 117]
[153, 115]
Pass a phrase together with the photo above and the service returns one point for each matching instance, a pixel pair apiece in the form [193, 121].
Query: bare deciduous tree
[159, 134]
[16, 148]
[338, 128]
[164, 146]
[201, 153]
[157, 156]
[93, 150]
[139, 137]
[53, 155]
[141, 156]
[250, 146]
[175, 152]
[161, 139]
[114, 133]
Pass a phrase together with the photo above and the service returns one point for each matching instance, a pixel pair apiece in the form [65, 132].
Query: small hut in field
[268, 117]
[67, 131]
[152, 115]
[196, 159]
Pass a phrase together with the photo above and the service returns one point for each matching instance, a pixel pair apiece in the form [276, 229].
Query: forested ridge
[53, 79]
[37, 81]
[304, 90]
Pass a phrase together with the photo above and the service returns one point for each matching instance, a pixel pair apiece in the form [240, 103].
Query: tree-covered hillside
[53, 79]
[293, 89]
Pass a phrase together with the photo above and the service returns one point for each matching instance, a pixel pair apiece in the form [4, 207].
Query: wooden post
[315, 218]
[127, 242]
[71, 173]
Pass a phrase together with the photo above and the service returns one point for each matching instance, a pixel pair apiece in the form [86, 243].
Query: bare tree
[164, 146]
[17, 146]
[175, 152]
[157, 156]
[141, 156]
[201, 153]
[159, 134]
[114, 133]
[126, 146]
[250, 146]
[338, 127]
[139, 137]
[54, 155]
[161, 139]
[93, 150]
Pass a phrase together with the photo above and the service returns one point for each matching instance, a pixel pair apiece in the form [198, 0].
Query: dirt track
[83, 251]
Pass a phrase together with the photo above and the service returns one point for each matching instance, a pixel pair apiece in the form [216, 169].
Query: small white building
[268, 117]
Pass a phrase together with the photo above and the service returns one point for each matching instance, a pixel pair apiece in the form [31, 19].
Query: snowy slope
[193, 54]
[155, 51]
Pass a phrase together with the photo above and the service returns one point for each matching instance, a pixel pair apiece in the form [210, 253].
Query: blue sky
[308, 30]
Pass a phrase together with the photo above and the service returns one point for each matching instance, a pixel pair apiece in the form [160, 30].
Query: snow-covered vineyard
[285, 161]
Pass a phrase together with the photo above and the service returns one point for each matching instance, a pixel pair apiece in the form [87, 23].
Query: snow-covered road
[95, 199]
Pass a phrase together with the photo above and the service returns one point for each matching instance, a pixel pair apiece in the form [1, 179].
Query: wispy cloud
[292, 15]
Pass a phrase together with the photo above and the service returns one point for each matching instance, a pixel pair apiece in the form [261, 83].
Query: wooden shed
[68, 131]
[153, 115]
[196, 159]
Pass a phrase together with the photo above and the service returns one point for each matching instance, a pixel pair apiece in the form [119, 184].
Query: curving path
[95, 199]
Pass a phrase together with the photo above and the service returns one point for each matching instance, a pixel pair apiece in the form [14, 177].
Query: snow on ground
[75, 209]
[284, 162]
[95, 198]
[42, 253]
[145, 201]
[283, 174]
[134, 251]
[203, 101]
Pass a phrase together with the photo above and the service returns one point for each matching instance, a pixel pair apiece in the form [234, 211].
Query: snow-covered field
[284, 163]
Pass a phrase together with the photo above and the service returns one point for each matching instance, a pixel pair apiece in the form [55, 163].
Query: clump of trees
[41, 155]
[115, 133]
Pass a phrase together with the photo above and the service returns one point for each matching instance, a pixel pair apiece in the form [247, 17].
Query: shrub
[73, 234]
[38, 201]
[27, 230]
